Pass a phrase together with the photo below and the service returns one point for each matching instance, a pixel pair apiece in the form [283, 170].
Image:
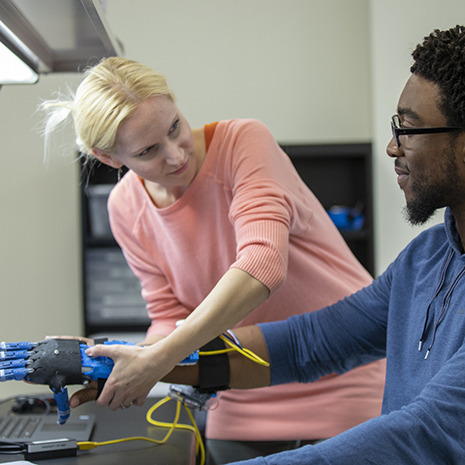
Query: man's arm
[244, 373]
[428, 431]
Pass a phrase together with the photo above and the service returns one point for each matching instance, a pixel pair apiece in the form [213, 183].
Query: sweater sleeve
[264, 189]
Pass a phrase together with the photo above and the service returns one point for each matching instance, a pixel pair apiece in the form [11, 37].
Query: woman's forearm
[235, 296]
[138, 369]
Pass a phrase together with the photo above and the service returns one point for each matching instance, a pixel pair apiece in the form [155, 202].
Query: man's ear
[106, 159]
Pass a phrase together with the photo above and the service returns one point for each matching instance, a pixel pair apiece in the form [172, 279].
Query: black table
[178, 450]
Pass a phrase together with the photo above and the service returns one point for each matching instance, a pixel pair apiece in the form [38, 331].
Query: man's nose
[393, 150]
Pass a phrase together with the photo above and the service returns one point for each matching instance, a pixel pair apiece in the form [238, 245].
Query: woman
[221, 231]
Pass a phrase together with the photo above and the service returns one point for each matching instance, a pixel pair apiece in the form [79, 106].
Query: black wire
[11, 447]
[7, 448]
[46, 402]
[28, 403]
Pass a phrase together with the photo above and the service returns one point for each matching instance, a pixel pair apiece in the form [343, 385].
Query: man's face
[430, 167]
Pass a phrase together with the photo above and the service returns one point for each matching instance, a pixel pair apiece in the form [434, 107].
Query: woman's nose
[174, 155]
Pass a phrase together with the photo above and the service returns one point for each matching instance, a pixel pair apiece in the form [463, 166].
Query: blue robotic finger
[13, 363]
[16, 345]
[14, 354]
[16, 374]
[16, 363]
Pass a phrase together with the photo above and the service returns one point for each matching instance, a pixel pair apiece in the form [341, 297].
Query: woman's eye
[145, 152]
[174, 127]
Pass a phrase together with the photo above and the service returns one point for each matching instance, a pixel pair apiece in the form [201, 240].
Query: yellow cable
[245, 352]
[234, 347]
[87, 445]
[198, 437]
[193, 428]
[163, 424]
[216, 352]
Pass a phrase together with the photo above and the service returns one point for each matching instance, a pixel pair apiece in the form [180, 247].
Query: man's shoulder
[427, 243]
[433, 234]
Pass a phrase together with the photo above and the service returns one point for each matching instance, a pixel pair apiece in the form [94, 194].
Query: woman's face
[156, 142]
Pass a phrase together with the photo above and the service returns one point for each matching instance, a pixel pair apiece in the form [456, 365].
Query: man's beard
[420, 210]
[429, 197]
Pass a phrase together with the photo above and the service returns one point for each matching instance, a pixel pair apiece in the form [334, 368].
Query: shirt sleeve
[350, 333]
[426, 432]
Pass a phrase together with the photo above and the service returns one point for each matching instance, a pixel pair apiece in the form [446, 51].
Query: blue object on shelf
[346, 218]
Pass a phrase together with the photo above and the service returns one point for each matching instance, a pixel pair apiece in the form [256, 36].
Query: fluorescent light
[16, 59]
[13, 70]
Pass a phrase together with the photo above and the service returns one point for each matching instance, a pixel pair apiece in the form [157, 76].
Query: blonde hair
[109, 92]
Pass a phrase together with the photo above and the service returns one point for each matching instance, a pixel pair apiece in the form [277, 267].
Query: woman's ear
[106, 159]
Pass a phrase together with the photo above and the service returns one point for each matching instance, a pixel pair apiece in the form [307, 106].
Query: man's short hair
[441, 59]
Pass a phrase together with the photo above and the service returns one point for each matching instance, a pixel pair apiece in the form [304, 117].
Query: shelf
[341, 175]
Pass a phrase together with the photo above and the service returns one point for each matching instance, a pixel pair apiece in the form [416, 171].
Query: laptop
[39, 427]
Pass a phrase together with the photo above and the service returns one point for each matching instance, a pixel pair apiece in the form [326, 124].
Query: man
[414, 314]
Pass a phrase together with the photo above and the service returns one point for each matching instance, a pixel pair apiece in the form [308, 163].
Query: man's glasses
[398, 130]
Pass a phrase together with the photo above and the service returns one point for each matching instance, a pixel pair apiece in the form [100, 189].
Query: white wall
[301, 66]
[39, 233]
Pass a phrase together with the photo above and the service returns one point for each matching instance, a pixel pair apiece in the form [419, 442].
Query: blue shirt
[420, 297]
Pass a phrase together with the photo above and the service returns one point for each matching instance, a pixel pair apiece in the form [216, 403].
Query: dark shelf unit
[112, 297]
[338, 174]
[341, 175]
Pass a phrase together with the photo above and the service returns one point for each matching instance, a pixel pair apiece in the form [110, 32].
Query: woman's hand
[137, 369]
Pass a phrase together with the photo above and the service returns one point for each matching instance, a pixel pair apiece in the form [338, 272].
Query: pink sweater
[248, 208]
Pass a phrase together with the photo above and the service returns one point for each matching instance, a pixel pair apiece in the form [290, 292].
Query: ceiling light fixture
[17, 61]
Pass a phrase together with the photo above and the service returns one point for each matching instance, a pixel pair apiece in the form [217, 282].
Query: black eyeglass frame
[397, 130]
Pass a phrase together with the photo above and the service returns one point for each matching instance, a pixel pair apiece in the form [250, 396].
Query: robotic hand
[58, 363]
